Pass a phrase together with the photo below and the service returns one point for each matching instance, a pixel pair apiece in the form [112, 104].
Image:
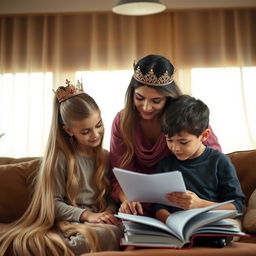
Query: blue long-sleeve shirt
[211, 176]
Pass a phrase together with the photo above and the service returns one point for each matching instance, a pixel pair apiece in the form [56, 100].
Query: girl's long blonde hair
[159, 65]
[32, 234]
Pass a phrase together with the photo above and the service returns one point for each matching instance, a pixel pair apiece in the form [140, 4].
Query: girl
[72, 187]
[137, 143]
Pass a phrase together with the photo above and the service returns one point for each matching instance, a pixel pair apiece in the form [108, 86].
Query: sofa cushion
[249, 221]
[15, 188]
[245, 162]
[11, 160]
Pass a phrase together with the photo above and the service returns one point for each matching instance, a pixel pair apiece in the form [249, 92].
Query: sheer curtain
[25, 112]
[108, 89]
[229, 93]
[60, 45]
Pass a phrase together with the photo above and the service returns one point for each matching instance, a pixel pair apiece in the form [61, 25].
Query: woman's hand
[106, 217]
[186, 201]
[128, 206]
[131, 207]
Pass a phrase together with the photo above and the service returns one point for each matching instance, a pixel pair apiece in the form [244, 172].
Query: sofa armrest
[245, 162]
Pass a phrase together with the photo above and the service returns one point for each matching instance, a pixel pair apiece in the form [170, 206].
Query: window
[228, 92]
[108, 88]
[230, 95]
[26, 105]
[25, 113]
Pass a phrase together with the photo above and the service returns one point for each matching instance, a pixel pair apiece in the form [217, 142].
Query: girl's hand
[131, 207]
[186, 201]
[106, 217]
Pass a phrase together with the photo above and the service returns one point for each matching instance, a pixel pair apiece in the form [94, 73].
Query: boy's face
[187, 146]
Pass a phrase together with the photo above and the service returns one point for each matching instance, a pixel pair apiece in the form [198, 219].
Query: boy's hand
[186, 201]
[131, 207]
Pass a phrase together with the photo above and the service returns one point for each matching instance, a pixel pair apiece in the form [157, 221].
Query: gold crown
[69, 91]
[151, 79]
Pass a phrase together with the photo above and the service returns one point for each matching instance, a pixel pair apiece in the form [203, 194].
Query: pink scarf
[146, 154]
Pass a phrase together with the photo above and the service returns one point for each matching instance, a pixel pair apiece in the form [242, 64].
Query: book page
[149, 188]
[205, 218]
[138, 228]
[145, 238]
[178, 220]
[146, 220]
[230, 230]
[176, 244]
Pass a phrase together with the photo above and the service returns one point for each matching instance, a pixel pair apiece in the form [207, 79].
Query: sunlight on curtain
[230, 95]
[25, 113]
[108, 88]
[26, 105]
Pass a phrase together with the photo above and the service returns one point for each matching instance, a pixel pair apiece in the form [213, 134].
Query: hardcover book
[181, 228]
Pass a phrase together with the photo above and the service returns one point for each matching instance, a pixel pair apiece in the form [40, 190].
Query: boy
[209, 175]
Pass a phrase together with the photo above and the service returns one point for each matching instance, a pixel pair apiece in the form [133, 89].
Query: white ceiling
[55, 6]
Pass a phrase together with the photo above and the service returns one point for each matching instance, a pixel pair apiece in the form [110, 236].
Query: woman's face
[149, 102]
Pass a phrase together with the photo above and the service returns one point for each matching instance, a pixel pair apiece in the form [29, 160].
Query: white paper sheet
[150, 188]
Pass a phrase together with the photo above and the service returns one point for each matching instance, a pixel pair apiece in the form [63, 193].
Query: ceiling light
[139, 7]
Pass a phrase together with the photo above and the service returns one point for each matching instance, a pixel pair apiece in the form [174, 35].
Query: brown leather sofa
[16, 176]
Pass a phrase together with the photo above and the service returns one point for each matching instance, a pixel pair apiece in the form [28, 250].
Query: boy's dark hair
[185, 114]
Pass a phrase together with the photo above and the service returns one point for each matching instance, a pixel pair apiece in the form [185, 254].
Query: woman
[137, 143]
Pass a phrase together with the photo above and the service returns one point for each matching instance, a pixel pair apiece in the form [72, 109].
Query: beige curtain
[105, 41]
[62, 44]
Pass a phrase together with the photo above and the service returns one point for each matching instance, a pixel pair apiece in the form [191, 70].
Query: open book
[180, 228]
[138, 186]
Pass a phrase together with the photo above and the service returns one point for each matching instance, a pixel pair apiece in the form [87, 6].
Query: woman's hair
[159, 65]
[31, 234]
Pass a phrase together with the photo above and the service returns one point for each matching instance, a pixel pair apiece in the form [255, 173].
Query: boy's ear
[68, 130]
[205, 134]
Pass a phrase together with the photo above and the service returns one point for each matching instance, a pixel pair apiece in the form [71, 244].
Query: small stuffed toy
[249, 221]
